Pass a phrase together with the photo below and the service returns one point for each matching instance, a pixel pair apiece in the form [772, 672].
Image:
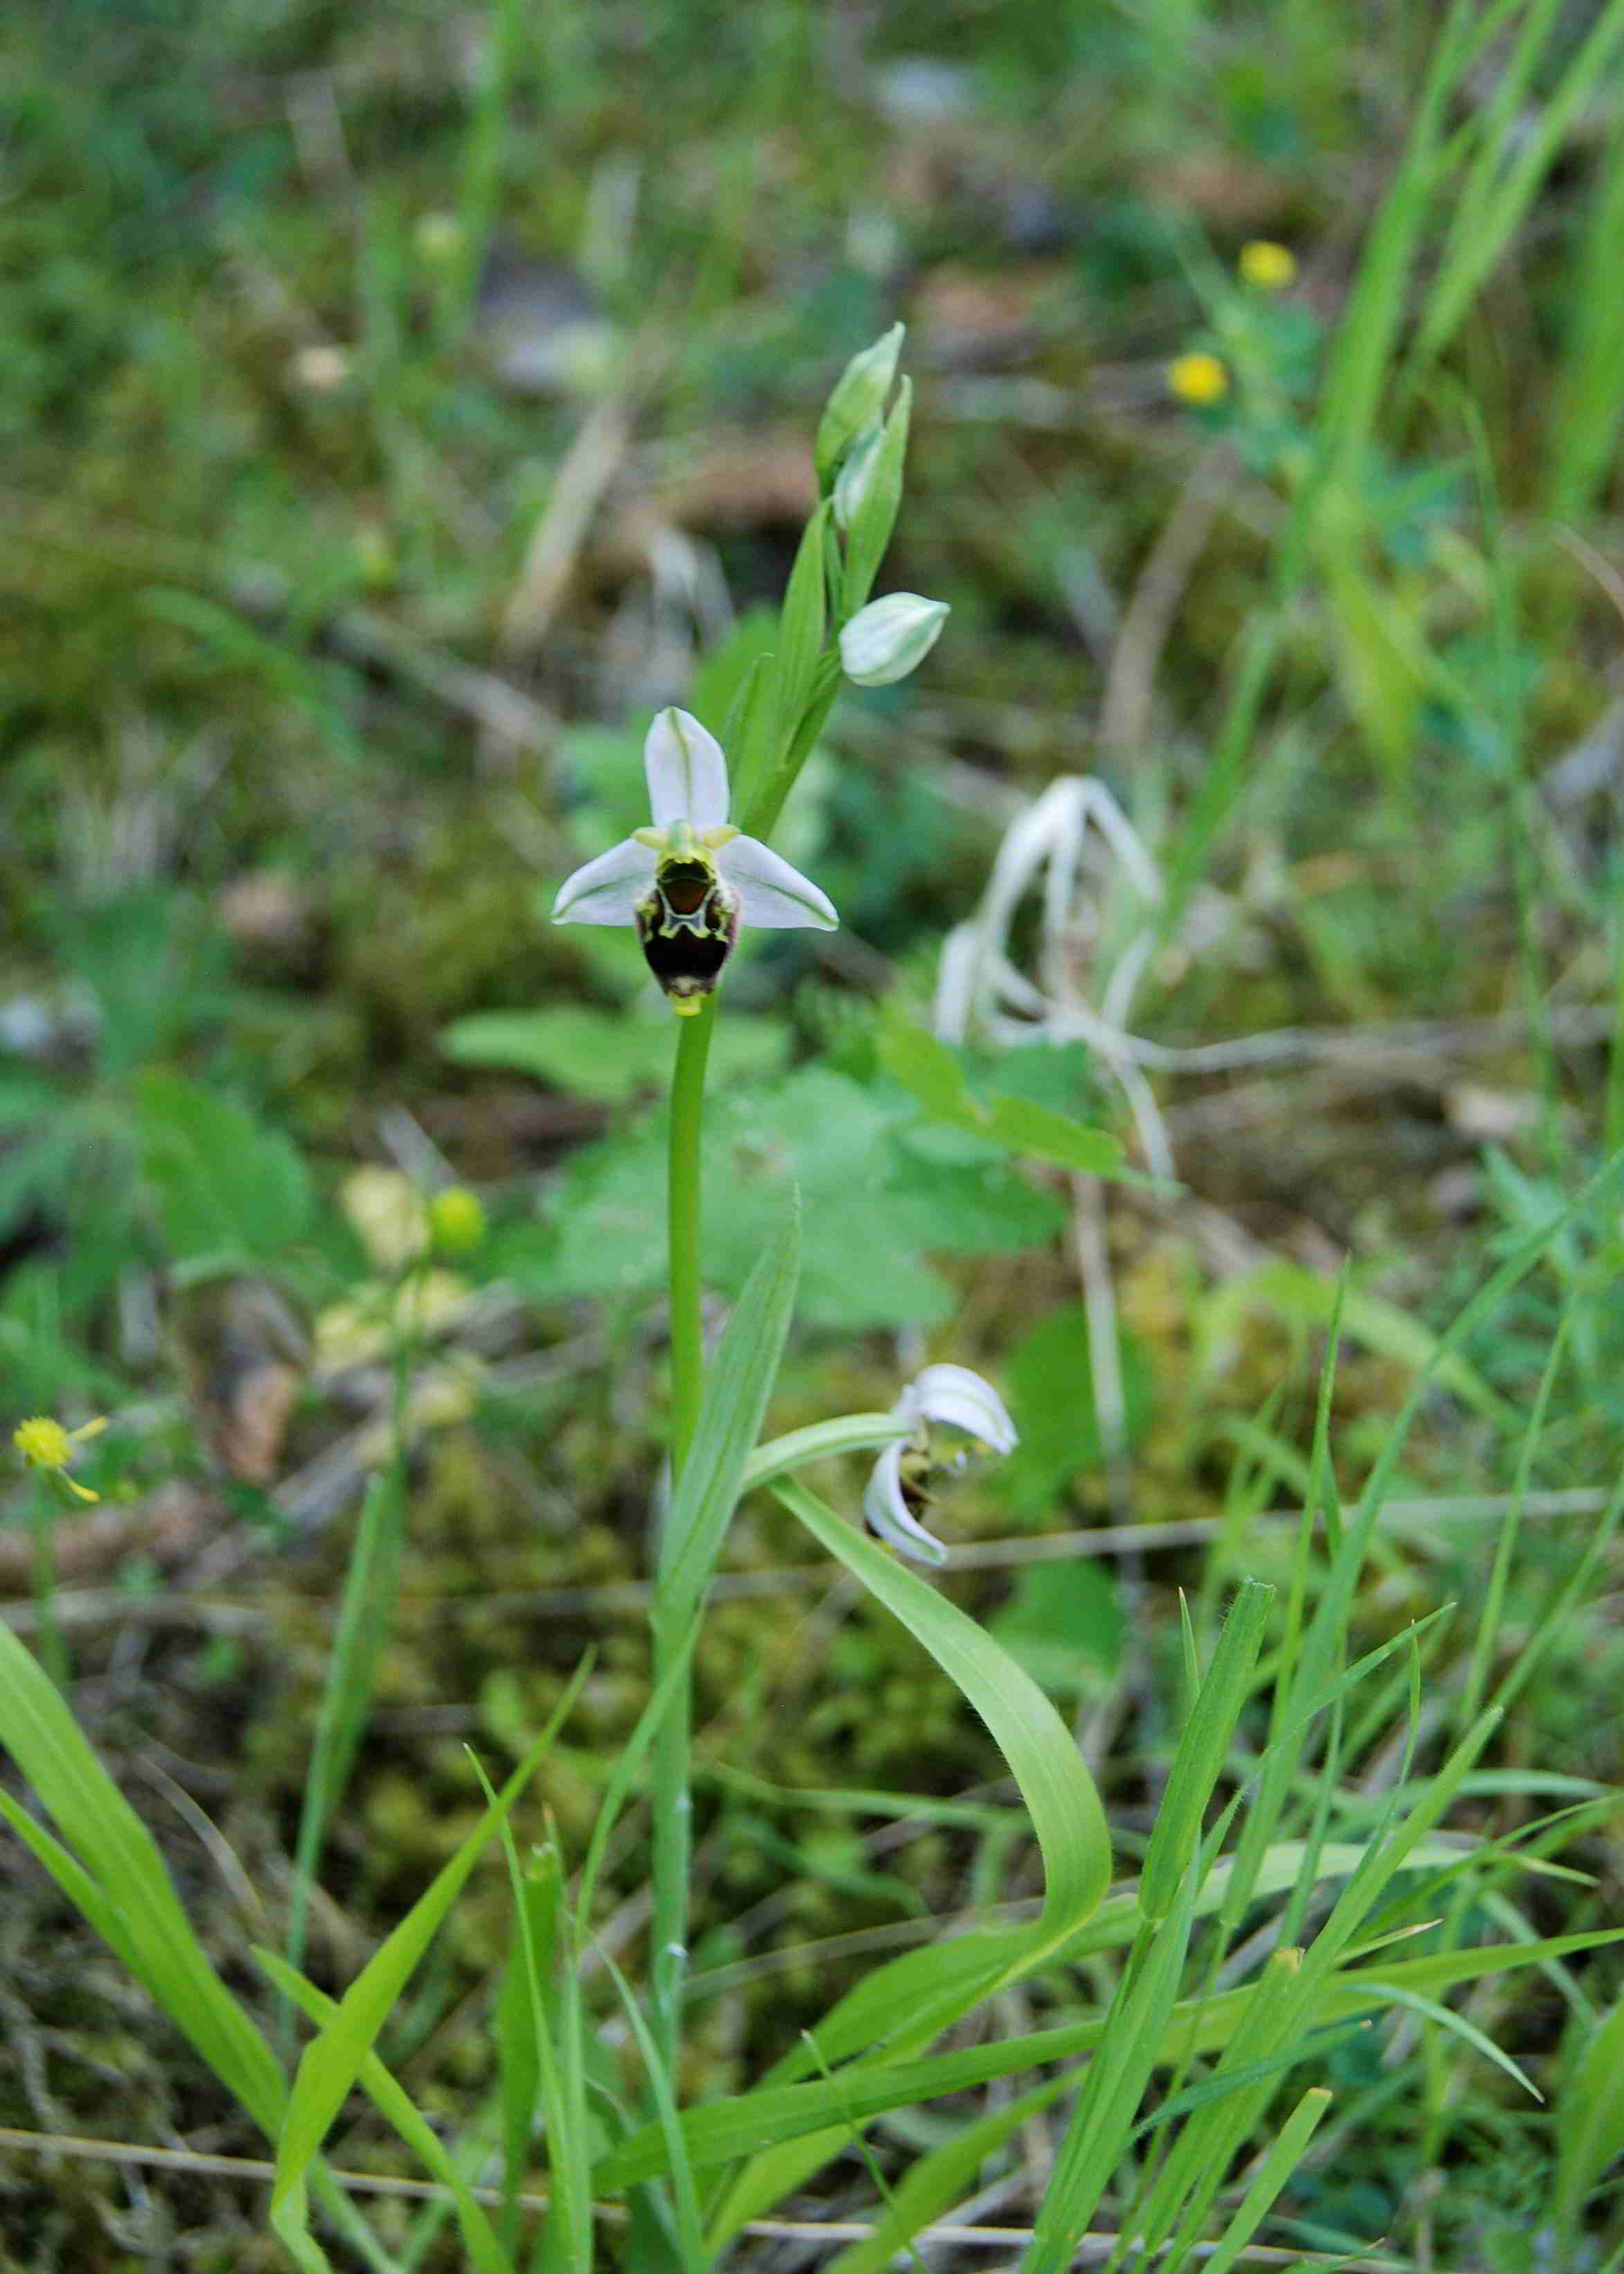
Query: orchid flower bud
[856, 475]
[891, 638]
[858, 401]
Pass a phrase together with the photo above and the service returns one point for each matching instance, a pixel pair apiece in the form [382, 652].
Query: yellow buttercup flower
[1270, 266]
[45, 1444]
[1198, 377]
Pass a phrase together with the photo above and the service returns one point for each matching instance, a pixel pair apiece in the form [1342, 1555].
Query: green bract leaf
[800, 637]
[875, 515]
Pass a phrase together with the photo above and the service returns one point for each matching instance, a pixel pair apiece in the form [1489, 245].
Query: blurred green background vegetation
[398, 404]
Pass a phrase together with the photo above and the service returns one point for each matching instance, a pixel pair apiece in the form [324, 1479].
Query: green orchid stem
[688, 1097]
[673, 1833]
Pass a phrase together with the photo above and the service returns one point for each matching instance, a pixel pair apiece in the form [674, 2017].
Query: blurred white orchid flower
[691, 879]
[1078, 850]
[962, 1400]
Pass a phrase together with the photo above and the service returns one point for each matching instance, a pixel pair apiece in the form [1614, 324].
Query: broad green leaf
[230, 1193]
[1049, 1377]
[863, 1194]
[931, 1074]
[1042, 1755]
[1064, 1623]
[610, 1056]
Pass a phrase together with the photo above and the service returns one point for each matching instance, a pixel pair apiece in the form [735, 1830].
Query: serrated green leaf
[230, 1193]
[932, 1073]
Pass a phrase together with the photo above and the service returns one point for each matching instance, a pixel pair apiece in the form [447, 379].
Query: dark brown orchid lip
[688, 922]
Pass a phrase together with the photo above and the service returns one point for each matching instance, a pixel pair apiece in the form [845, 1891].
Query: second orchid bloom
[691, 879]
[896, 1497]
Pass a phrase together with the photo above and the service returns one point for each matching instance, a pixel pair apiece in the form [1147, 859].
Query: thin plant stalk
[42, 1573]
[364, 1614]
[672, 1800]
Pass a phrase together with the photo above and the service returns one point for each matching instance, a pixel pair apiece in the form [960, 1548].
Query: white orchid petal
[888, 1513]
[607, 891]
[952, 1394]
[687, 773]
[771, 894]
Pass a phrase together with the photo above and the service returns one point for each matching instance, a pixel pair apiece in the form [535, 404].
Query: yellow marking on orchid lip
[658, 840]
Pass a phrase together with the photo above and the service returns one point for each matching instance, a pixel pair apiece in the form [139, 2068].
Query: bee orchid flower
[690, 880]
[896, 1494]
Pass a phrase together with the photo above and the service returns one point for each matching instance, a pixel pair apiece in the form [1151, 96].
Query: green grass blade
[1589, 2119]
[939, 2179]
[1203, 1749]
[1587, 404]
[112, 1851]
[364, 1616]
[690, 2235]
[1488, 223]
[332, 2062]
[1430, 2010]
[1195, 2170]
[1102, 2121]
[725, 2130]
[485, 2253]
[1276, 2168]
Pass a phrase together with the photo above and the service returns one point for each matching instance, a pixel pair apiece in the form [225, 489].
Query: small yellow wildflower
[1198, 377]
[1267, 265]
[45, 1444]
[457, 1220]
